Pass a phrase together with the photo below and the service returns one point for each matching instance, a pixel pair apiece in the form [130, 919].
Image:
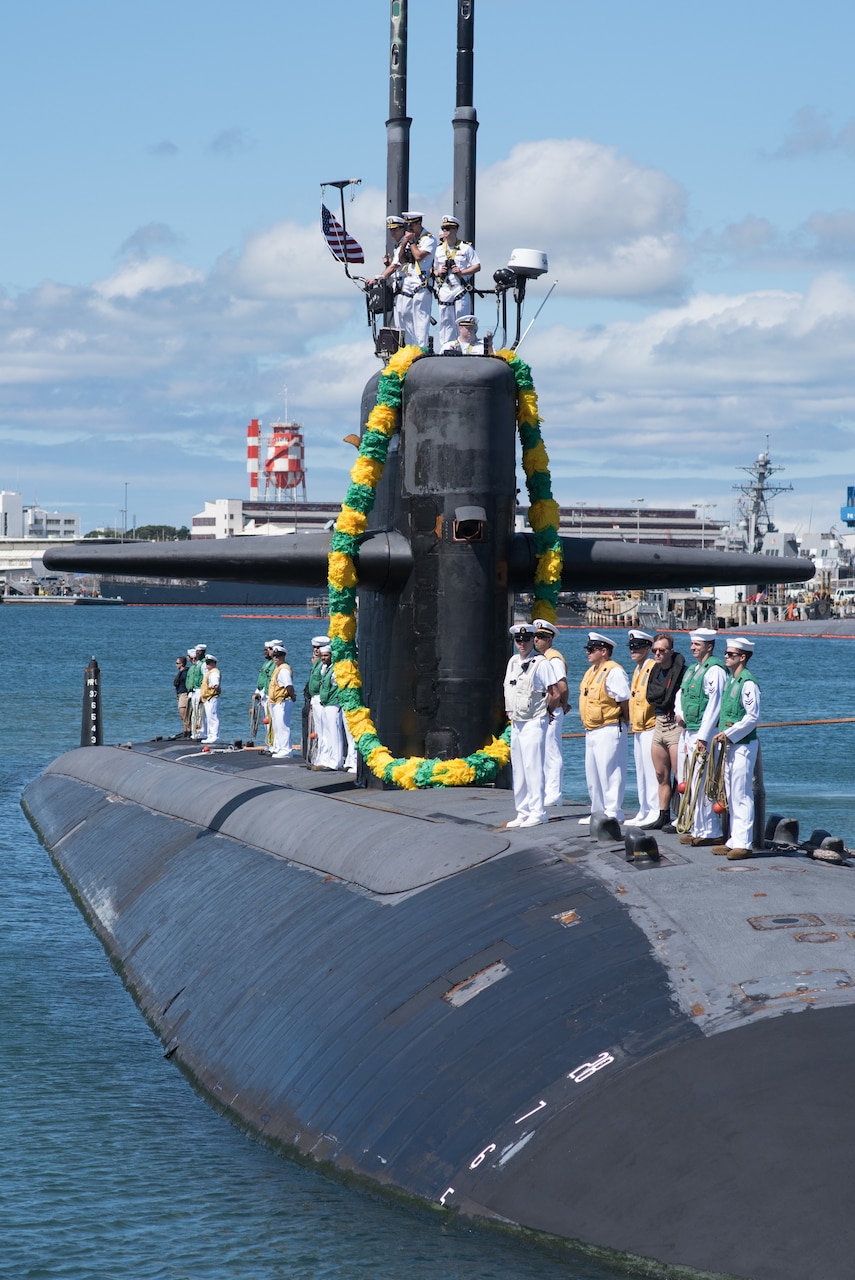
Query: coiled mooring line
[694, 783]
[714, 783]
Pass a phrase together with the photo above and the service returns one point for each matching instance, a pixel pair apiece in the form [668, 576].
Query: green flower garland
[481, 766]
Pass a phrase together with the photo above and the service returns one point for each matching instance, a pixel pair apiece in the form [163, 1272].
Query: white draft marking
[587, 1069]
[533, 1112]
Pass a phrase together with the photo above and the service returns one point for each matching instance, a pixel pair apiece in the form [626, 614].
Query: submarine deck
[750, 948]
[517, 1024]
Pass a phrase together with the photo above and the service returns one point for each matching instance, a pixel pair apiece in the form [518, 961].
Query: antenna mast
[754, 503]
[465, 122]
[398, 124]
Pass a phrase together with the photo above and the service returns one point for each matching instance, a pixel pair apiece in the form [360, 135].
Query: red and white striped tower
[253, 432]
[284, 461]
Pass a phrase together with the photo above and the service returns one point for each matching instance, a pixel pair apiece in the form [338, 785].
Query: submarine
[533, 1029]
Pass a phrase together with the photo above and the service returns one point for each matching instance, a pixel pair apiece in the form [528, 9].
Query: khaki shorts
[667, 733]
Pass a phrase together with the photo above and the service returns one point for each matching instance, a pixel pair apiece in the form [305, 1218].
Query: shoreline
[821, 629]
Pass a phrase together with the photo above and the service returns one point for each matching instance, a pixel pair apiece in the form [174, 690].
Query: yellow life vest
[277, 692]
[641, 715]
[596, 706]
[209, 691]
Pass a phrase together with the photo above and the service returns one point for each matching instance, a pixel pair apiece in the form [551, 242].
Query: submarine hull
[484, 1020]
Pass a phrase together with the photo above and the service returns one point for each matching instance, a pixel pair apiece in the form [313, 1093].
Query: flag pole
[341, 184]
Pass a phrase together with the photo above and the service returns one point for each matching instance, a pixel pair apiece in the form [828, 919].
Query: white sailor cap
[468, 320]
[704, 633]
[278, 649]
[635, 635]
[742, 643]
[449, 220]
[191, 653]
[540, 624]
[317, 641]
[325, 649]
[597, 638]
[210, 658]
[522, 630]
[200, 646]
[396, 221]
[411, 216]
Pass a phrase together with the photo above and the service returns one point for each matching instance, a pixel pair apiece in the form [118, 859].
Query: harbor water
[111, 1165]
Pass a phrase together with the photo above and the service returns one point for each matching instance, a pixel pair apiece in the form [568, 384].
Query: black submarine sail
[517, 1026]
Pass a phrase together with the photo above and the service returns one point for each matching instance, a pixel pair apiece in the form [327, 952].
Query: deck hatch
[803, 920]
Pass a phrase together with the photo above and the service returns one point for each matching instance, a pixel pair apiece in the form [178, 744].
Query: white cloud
[161, 352]
[136, 277]
[824, 240]
[612, 228]
[692, 391]
[285, 261]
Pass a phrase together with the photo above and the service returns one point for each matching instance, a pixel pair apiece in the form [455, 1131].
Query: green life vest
[329, 692]
[731, 703]
[264, 674]
[315, 675]
[693, 700]
[194, 677]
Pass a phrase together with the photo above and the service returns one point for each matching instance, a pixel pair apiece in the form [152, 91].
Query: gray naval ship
[537, 1028]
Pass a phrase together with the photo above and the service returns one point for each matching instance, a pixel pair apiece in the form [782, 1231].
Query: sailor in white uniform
[738, 720]
[454, 266]
[697, 710]
[417, 250]
[466, 343]
[393, 269]
[531, 697]
[195, 674]
[329, 753]
[210, 695]
[280, 703]
[604, 708]
[642, 722]
[553, 760]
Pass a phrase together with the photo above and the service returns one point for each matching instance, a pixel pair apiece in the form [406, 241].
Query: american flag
[340, 243]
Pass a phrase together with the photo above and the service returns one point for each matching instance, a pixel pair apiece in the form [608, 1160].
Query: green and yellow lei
[482, 766]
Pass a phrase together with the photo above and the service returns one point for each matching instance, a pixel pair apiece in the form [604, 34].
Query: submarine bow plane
[520, 1027]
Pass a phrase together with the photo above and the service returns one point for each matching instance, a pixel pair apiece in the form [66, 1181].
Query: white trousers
[415, 316]
[553, 760]
[645, 776]
[314, 728]
[606, 755]
[739, 786]
[198, 713]
[528, 744]
[212, 719]
[448, 316]
[399, 313]
[280, 717]
[705, 823]
[329, 738]
[350, 754]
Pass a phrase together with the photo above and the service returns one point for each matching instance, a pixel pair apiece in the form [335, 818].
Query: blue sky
[688, 169]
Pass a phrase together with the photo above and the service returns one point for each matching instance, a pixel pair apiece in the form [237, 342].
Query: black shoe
[661, 822]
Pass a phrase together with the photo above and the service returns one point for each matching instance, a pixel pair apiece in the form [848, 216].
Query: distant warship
[535, 1028]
